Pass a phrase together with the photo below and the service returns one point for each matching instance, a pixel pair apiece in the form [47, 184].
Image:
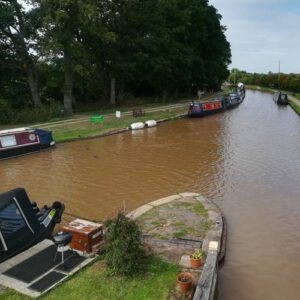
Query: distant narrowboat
[199, 108]
[19, 141]
[23, 224]
[281, 98]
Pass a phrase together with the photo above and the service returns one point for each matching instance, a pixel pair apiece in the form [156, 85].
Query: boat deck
[38, 269]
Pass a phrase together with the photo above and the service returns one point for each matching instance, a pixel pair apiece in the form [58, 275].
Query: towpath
[84, 118]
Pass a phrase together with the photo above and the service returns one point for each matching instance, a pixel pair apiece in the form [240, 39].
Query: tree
[19, 37]
[71, 27]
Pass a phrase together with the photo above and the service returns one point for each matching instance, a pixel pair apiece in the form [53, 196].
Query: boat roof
[206, 100]
[15, 130]
[17, 218]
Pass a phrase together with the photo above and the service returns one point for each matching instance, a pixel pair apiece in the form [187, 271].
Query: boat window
[8, 141]
[10, 220]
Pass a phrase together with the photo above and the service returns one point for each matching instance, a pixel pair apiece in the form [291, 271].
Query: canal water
[246, 160]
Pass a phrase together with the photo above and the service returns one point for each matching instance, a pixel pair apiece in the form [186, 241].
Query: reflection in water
[246, 160]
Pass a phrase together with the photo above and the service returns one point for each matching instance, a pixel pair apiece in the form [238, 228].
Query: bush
[124, 251]
[27, 115]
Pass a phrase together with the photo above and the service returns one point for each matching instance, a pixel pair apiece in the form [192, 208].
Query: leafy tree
[19, 35]
[75, 48]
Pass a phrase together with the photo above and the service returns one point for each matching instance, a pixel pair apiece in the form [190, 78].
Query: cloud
[261, 33]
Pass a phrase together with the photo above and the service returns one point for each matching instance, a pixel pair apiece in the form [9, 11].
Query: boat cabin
[18, 141]
[281, 98]
[23, 224]
[203, 107]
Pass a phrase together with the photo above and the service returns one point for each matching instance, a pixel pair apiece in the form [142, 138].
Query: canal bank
[173, 227]
[83, 127]
[190, 221]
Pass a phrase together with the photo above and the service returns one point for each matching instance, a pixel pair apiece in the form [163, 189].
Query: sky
[262, 33]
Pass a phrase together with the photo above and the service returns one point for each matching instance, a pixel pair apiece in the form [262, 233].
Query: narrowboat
[200, 108]
[19, 141]
[232, 100]
[241, 91]
[281, 98]
[23, 224]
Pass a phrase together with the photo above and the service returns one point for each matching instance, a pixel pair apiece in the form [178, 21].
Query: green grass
[95, 282]
[83, 129]
[182, 233]
[199, 209]
[295, 107]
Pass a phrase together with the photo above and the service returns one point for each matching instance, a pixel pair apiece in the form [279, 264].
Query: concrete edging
[215, 215]
[213, 244]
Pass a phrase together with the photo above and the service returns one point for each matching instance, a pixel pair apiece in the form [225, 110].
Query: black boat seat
[61, 240]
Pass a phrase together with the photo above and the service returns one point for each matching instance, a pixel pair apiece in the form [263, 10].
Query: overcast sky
[261, 33]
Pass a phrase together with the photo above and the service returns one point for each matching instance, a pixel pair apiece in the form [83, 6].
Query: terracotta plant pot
[195, 263]
[184, 281]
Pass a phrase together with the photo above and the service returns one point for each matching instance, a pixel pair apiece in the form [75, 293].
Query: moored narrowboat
[281, 98]
[232, 100]
[199, 108]
[241, 91]
[19, 141]
[23, 224]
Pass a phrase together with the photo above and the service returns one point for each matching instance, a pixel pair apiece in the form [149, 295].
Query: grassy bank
[66, 129]
[83, 128]
[295, 107]
[95, 282]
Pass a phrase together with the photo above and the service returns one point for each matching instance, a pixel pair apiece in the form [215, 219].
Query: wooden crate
[87, 236]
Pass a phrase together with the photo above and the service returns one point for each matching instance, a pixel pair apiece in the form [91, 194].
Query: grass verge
[295, 107]
[83, 128]
[95, 282]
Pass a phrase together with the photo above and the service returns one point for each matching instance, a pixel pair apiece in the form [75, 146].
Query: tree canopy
[288, 82]
[69, 50]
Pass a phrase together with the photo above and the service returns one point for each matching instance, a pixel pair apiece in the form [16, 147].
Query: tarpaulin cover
[45, 136]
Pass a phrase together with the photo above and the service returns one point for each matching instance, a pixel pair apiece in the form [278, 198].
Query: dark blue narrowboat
[232, 100]
[200, 108]
[20, 141]
[281, 98]
[23, 224]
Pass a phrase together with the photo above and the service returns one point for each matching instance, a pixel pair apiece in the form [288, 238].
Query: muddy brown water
[247, 160]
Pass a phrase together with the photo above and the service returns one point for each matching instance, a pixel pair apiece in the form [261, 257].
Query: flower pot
[195, 263]
[184, 281]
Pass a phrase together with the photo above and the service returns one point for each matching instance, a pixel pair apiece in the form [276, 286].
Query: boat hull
[23, 224]
[281, 98]
[199, 108]
[14, 152]
[21, 141]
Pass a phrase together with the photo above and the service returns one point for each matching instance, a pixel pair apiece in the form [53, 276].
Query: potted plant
[196, 258]
[184, 281]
